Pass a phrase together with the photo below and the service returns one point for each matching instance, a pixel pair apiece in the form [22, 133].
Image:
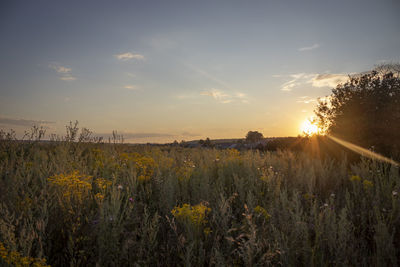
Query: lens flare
[362, 151]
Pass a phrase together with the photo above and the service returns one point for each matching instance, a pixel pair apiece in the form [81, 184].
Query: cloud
[308, 48]
[328, 80]
[226, 98]
[64, 72]
[188, 134]
[130, 87]
[149, 135]
[129, 56]
[208, 75]
[296, 80]
[67, 78]
[316, 80]
[215, 93]
[22, 122]
[306, 100]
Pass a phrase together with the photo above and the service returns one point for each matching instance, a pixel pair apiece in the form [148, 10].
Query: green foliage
[87, 204]
[254, 136]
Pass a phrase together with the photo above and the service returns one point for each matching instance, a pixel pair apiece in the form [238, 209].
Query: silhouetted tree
[365, 110]
[206, 143]
[254, 136]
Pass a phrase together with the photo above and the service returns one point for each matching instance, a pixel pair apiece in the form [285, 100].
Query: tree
[365, 110]
[254, 136]
[206, 143]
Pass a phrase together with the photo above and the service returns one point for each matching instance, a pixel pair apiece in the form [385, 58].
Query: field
[105, 204]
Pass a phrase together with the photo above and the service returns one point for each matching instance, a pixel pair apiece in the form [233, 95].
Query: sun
[309, 128]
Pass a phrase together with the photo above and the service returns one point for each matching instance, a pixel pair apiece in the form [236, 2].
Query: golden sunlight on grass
[308, 127]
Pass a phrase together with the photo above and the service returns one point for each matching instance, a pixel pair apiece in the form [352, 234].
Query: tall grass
[87, 204]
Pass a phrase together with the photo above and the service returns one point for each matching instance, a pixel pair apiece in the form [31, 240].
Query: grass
[97, 204]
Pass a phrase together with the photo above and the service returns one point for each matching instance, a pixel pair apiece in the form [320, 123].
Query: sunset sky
[157, 71]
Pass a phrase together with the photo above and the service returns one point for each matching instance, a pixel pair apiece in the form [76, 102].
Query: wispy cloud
[131, 87]
[215, 93]
[67, 78]
[22, 122]
[64, 73]
[296, 80]
[129, 56]
[316, 80]
[208, 75]
[306, 100]
[328, 80]
[308, 48]
[148, 135]
[225, 98]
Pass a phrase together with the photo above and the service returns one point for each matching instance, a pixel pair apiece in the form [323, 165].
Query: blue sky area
[157, 71]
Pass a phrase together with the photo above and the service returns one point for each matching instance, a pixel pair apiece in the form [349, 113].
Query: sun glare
[309, 128]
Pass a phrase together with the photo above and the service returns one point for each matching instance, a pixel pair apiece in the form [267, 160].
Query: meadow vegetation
[77, 203]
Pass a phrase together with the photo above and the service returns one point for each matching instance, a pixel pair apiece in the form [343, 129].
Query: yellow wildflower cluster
[144, 165]
[99, 158]
[260, 210]
[233, 153]
[102, 183]
[185, 170]
[207, 231]
[14, 258]
[308, 196]
[355, 178]
[73, 185]
[195, 215]
[368, 184]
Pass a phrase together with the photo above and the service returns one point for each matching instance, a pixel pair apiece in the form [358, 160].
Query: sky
[159, 71]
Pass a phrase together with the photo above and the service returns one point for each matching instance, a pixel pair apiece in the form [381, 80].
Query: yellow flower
[308, 196]
[260, 210]
[14, 258]
[73, 186]
[207, 231]
[144, 165]
[195, 215]
[102, 183]
[355, 178]
[368, 184]
[99, 196]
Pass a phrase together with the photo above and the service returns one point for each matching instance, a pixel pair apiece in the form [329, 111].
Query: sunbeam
[362, 151]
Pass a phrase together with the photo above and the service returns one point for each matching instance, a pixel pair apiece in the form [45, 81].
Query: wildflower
[195, 215]
[355, 178]
[367, 184]
[308, 196]
[14, 258]
[207, 231]
[120, 187]
[99, 196]
[102, 183]
[332, 195]
[260, 210]
[72, 185]
[394, 193]
[326, 205]
[131, 199]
